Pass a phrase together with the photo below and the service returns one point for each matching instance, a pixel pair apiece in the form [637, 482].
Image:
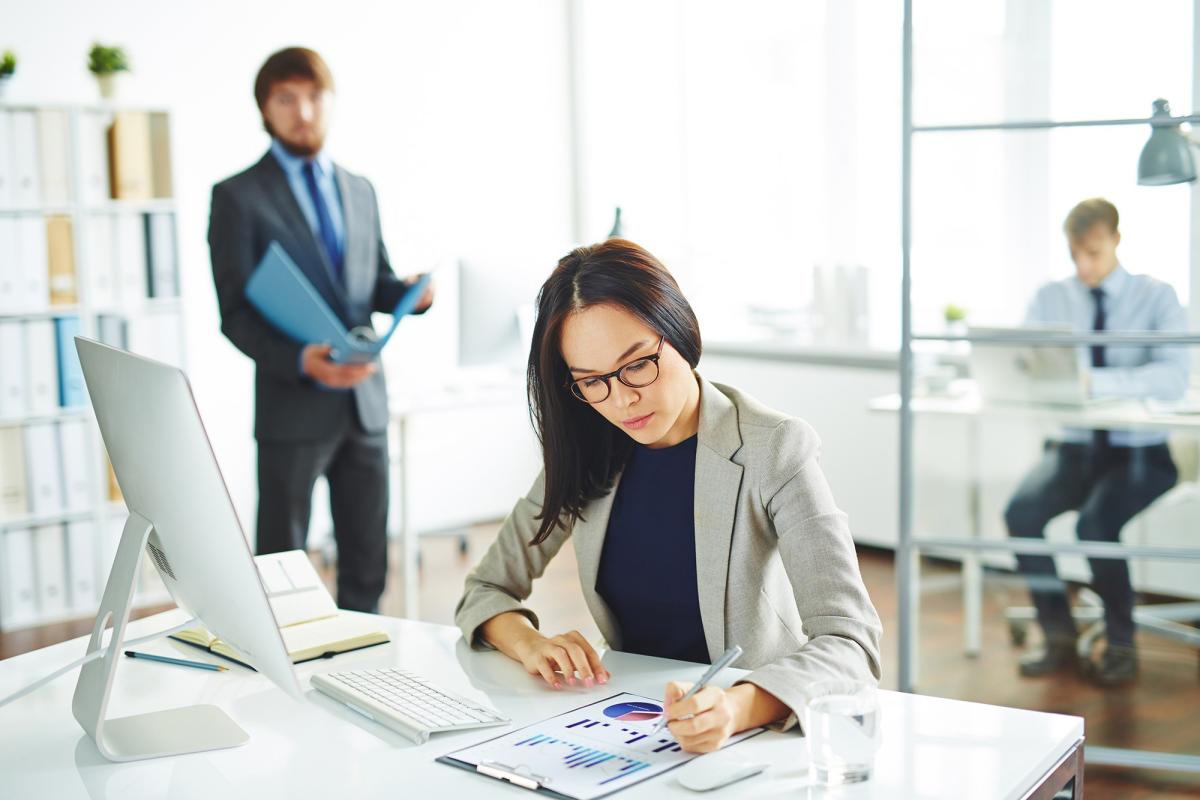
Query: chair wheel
[1017, 632]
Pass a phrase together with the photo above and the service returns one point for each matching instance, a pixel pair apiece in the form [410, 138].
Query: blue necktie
[1099, 438]
[324, 221]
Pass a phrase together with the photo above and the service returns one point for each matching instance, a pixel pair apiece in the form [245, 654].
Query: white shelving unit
[84, 535]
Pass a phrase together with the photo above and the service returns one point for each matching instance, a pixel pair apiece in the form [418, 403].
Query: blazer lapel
[589, 544]
[718, 482]
[358, 278]
[307, 252]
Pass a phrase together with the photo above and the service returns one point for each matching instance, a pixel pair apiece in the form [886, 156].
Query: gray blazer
[775, 562]
[249, 211]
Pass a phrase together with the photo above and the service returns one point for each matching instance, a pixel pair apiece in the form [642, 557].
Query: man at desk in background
[312, 416]
[1108, 476]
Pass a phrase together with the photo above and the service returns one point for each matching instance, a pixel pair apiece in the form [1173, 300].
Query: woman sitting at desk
[701, 518]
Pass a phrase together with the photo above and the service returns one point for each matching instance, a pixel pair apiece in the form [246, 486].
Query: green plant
[954, 313]
[8, 63]
[103, 60]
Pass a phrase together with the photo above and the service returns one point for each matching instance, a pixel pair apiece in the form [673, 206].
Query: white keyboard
[405, 702]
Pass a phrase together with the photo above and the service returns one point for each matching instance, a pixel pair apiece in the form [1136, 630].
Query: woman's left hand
[713, 712]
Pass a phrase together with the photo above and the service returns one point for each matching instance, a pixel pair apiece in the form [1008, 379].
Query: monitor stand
[175, 731]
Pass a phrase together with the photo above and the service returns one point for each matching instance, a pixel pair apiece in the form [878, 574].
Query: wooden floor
[1160, 712]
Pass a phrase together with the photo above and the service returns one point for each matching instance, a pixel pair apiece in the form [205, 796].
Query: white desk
[932, 748]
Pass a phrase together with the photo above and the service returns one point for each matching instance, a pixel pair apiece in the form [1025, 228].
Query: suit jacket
[249, 211]
[775, 563]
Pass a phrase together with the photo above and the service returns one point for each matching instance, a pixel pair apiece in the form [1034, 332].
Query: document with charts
[585, 753]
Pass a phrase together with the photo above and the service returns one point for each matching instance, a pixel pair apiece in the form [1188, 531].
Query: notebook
[309, 621]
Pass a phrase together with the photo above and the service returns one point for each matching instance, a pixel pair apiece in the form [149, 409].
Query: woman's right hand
[567, 653]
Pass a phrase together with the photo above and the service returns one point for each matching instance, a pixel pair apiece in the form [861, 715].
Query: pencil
[177, 661]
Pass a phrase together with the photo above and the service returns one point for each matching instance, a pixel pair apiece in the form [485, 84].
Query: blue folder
[70, 373]
[282, 294]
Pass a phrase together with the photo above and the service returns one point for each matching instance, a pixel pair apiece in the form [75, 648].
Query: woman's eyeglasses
[636, 375]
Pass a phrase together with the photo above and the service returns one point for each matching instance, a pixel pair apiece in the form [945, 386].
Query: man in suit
[1108, 476]
[312, 416]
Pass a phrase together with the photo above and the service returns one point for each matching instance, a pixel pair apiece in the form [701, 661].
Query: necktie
[1099, 438]
[324, 221]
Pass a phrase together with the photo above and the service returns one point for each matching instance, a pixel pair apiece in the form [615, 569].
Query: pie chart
[633, 711]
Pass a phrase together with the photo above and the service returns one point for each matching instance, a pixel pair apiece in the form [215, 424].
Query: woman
[701, 518]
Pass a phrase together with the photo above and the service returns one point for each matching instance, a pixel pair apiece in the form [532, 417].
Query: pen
[721, 663]
[178, 661]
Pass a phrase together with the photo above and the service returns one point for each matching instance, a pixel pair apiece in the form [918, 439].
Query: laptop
[1031, 374]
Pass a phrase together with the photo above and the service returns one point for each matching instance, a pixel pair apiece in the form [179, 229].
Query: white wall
[456, 110]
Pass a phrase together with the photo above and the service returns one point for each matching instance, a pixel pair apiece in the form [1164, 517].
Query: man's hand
[316, 364]
[426, 299]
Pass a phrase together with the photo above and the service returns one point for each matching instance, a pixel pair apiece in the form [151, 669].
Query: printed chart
[588, 752]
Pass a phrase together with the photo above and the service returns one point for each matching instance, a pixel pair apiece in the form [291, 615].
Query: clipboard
[582, 754]
[288, 300]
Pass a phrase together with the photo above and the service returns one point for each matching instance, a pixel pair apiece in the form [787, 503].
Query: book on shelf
[12, 287]
[43, 469]
[26, 188]
[129, 156]
[78, 471]
[50, 557]
[162, 183]
[99, 271]
[309, 621]
[41, 367]
[93, 157]
[33, 270]
[60, 257]
[114, 488]
[18, 594]
[54, 156]
[162, 263]
[12, 377]
[6, 160]
[71, 391]
[14, 496]
[129, 253]
[81, 566]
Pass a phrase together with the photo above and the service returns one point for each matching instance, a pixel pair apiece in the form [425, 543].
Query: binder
[6, 160]
[113, 330]
[26, 190]
[93, 158]
[160, 155]
[60, 251]
[71, 392]
[18, 605]
[12, 290]
[98, 263]
[130, 169]
[76, 466]
[50, 554]
[14, 500]
[12, 376]
[54, 157]
[162, 255]
[129, 254]
[33, 268]
[82, 596]
[43, 469]
[286, 298]
[41, 367]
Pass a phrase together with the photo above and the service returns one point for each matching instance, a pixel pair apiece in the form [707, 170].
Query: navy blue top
[648, 566]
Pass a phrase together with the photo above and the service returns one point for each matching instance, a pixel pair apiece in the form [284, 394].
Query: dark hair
[291, 62]
[582, 452]
[1090, 213]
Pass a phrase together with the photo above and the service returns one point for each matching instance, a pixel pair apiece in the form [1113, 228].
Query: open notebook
[311, 625]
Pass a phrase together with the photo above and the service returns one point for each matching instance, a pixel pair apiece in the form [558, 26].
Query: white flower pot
[4, 81]
[110, 84]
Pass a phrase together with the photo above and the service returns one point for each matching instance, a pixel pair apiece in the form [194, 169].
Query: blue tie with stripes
[324, 221]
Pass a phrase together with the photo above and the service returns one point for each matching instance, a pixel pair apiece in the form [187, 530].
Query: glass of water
[842, 727]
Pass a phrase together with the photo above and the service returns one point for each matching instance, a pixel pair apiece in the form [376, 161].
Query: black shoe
[1056, 655]
[1116, 667]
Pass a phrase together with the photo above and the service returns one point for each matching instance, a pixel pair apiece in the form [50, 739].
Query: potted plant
[107, 63]
[8, 67]
[956, 319]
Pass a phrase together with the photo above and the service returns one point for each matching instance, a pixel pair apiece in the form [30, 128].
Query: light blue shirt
[1132, 303]
[293, 167]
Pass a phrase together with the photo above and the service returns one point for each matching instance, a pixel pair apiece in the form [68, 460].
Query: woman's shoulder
[770, 439]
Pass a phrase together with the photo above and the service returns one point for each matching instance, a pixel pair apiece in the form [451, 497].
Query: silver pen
[721, 663]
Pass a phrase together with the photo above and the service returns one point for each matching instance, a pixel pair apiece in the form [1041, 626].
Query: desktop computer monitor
[171, 482]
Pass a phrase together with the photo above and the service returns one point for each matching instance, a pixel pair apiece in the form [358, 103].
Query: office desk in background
[932, 748]
[966, 404]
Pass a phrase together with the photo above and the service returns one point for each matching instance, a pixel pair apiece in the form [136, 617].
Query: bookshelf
[88, 244]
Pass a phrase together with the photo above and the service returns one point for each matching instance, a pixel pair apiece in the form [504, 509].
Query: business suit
[776, 566]
[303, 429]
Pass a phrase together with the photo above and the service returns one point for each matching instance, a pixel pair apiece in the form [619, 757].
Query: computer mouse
[706, 774]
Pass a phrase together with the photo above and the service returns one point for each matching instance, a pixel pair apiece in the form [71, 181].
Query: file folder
[288, 300]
